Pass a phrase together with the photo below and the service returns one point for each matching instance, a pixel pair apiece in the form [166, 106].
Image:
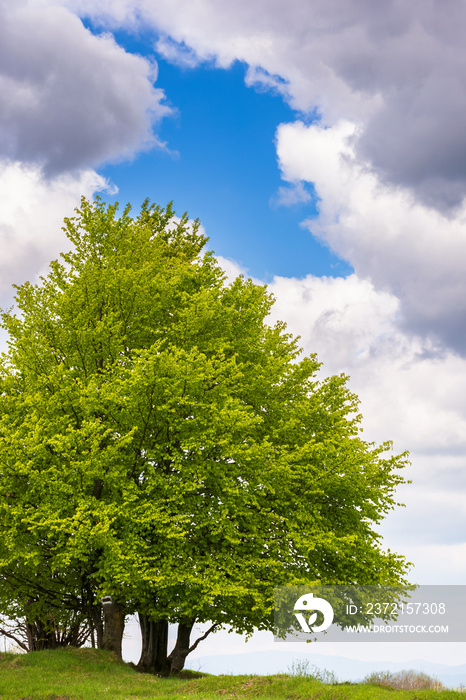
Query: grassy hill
[90, 674]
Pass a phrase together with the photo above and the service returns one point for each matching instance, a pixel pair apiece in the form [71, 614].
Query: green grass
[90, 674]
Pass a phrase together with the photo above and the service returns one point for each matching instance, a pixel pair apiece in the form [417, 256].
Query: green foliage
[160, 443]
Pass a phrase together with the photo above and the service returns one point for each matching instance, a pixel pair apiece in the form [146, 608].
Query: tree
[162, 446]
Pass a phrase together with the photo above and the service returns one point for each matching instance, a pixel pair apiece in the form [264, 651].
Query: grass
[90, 674]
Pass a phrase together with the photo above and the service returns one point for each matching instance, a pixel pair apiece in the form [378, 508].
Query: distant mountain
[270, 662]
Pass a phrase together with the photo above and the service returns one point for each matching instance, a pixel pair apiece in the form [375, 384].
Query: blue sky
[220, 166]
[322, 146]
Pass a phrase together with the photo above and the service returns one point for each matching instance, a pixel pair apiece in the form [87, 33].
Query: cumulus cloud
[31, 219]
[354, 328]
[401, 246]
[70, 100]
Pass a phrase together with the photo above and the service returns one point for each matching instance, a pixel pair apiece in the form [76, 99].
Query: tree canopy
[163, 445]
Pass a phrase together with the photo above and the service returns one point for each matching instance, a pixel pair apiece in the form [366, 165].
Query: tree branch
[201, 639]
[15, 639]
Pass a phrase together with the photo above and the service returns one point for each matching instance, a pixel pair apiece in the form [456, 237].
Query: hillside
[89, 674]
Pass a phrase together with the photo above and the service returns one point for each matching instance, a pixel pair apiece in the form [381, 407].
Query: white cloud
[295, 193]
[31, 218]
[231, 268]
[176, 53]
[407, 393]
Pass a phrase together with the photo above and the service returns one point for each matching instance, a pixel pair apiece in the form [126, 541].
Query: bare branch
[21, 644]
[201, 639]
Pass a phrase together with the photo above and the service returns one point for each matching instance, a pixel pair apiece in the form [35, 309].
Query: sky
[322, 146]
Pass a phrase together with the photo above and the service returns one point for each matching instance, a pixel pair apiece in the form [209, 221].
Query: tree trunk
[96, 624]
[154, 646]
[177, 658]
[114, 625]
[39, 636]
[154, 658]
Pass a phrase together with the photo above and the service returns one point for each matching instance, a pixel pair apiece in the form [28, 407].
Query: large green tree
[162, 445]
